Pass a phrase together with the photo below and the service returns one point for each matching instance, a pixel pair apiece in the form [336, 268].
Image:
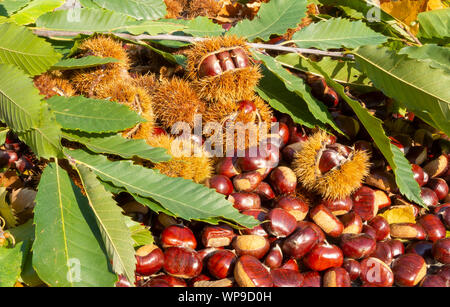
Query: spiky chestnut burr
[220, 68]
[332, 170]
[176, 101]
[53, 84]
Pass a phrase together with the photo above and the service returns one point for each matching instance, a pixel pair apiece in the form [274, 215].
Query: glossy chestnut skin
[429, 197]
[408, 231]
[290, 264]
[280, 223]
[274, 258]
[312, 279]
[286, 278]
[178, 235]
[160, 280]
[339, 206]
[264, 191]
[250, 272]
[352, 267]
[364, 203]
[221, 264]
[383, 252]
[290, 150]
[245, 200]
[397, 247]
[221, 184]
[210, 66]
[324, 256]
[419, 175]
[444, 272]
[421, 248]
[433, 227]
[283, 131]
[283, 180]
[445, 216]
[260, 215]
[122, 282]
[336, 277]
[247, 182]
[352, 223]
[370, 231]
[441, 250]
[226, 63]
[375, 272]
[294, 205]
[381, 226]
[409, 270]
[357, 246]
[240, 58]
[433, 281]
[323, 217]
[299, 243]
[226, 167]
[317, 229]
[217, 235]
[329, 160]
[149, 260]
[182, 262]
[439, 186]
[252, 245]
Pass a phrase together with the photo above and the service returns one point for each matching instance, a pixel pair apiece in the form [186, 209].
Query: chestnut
[402, 141]
[433, 281]
[352, 223]
[283, 131]
[444, 272]
[323, 217]
[245, 200]
[375, 272]
[381, 226]
[274, 258]
[239, 57]
[260, 215]
[286, 278]
[311, 279]
[178, 235]
[283, 180]
[253, 245]
[297, 134]
[437, 167]
[421, 248]
[445, 216]
[383, 252]
[294, 205]
[352, 267]
[339, 206]
[409, 270]
[122, 282]
[300, 242]
[226, 63]
[290, 264]
[357, 246]
[182, 262]
[199, 278]
[433, 227]
[264, 191]
[220, 264]
[324, 256]
[280, 223]
[397, 247]
[367, 229]
[419, 175]
[217, 235]
[336, 277]
[407, 231]
[160, 280]
[317, 229]
[364, 203]
[439, 186]
[441, 250]
[329, 160]
[290, 150]
[226, 167]
[382, 180]
[210, 66]
[250, 272]
[221, 184]
[429, 197]
[149, 260]
[247, 182]
[382, 200]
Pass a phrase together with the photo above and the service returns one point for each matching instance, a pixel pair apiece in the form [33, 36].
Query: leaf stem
[189, 39]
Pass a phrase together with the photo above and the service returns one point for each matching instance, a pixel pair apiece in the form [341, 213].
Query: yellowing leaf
[399, 214]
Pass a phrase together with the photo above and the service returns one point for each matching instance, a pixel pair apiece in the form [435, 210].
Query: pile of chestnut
[305, 241]
[15, 154]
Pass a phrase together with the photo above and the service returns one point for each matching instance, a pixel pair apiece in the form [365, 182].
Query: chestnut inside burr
[332, 156]
[221, 61]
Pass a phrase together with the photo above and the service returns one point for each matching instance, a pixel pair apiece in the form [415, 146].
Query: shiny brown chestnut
[339, 206]
[444, 272]
[250, 272]
[294, 205]
[382, 180]
[397, 247]
[364, 203]
[382, 200]
[290, 150]
[439, 186]
[441, 250]
[264, 191]
[383, 252]
[381, 226]
[253, 245]
[217, 235]
[336, 277]
[286, 278]
[260, 215]
[245, 200]
[226, 63]
[210, 67]
[323, 217]
[370, 231]
[352, 223]
[311, 279]
[178, 235]
[247, 182]
[376, 273]
[280, 223]
[437, 167]
[419, 175]
[182, 262]
[433, 227]
[317, 229]
[409, 270]
[300, 242]
[433, 281]
[357, 246]
[324, 256]
[149, 260]
[274, 258]
[408, 231]
[221, 184]
[227, 167]
[158, 281]
[429, 197]
[221, 264]
[240, 58]
[352, 267]
[283, 180]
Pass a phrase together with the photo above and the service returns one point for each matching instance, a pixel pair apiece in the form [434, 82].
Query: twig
[189, 39]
